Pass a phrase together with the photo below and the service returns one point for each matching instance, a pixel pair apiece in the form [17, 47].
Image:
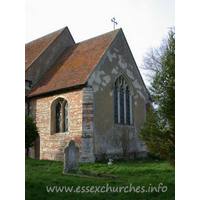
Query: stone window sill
[60, 134]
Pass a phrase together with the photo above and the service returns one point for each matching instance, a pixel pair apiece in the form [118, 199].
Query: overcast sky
[144, 22]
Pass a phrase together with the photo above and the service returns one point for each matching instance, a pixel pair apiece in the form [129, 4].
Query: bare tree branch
[152, 60]
[124, 136]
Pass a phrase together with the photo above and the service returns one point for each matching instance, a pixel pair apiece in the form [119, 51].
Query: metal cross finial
[114, 22]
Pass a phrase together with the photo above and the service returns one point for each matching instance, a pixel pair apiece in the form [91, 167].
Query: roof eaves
[56, 91]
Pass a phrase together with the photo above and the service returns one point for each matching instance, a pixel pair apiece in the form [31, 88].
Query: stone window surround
[53, 115]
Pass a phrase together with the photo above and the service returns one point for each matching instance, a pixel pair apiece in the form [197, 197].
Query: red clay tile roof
[75, 65]
[36, 47]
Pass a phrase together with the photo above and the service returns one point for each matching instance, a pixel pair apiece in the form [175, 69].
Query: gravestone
[70, 157]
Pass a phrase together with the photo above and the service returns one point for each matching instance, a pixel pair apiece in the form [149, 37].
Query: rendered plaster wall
[52, 146]
[117, 60]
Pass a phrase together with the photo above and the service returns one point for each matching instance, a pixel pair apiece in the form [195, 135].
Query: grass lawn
[129, 180]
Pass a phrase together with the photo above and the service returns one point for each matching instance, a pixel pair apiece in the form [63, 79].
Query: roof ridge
[116, 30]
[83, 56]
[58, 32]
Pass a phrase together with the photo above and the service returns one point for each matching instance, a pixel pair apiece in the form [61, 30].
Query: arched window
[59, 116]
[122, 101]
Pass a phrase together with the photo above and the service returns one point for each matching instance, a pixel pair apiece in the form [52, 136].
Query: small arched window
[59, 116]
[122, 101]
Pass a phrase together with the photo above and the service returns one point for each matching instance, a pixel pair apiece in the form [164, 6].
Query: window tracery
[122, 101]
[59, 116]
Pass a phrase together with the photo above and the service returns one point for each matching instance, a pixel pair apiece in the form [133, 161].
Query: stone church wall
[116, 61]
[91, 109]
[52, 146]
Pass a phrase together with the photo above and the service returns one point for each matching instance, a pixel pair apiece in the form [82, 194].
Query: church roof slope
[35, 48]
[74, 65]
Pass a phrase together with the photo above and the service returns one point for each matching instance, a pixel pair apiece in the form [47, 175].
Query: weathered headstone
[70, 157]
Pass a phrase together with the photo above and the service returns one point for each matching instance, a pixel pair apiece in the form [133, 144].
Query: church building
[86, 92]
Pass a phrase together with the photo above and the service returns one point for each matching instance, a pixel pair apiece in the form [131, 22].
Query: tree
[152, 61]
[158, 131]
[124, 136]
[31, 132]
